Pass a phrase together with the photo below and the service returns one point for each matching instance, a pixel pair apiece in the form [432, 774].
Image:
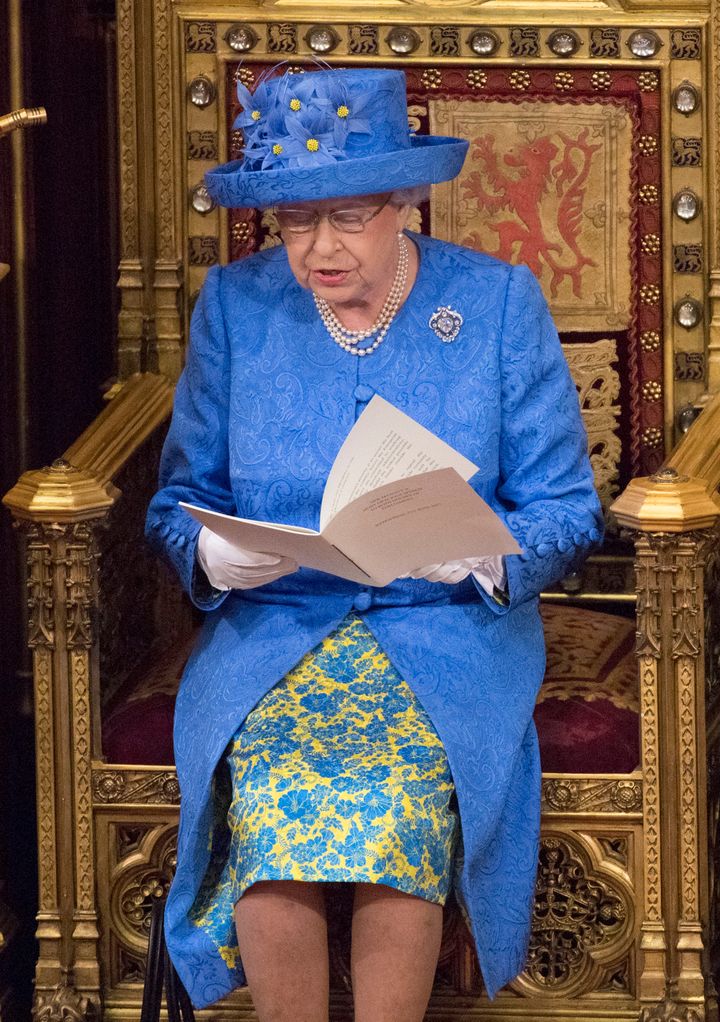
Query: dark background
[71, 223]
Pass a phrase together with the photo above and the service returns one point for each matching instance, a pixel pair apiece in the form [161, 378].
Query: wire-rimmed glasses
[348, 221]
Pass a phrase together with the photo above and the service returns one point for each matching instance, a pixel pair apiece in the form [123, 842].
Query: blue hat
[324, 134]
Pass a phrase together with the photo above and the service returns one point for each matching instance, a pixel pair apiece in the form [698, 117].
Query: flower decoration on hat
[345, 112]
[308, 143]
[326, 134]
[303, 125]
[251, 112]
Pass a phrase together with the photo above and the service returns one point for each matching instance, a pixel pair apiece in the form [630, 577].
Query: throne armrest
[674, 517]
[79, 485]
[61, 510]
[683, 495]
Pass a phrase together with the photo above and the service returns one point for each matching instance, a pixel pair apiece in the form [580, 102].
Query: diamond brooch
[446, 323]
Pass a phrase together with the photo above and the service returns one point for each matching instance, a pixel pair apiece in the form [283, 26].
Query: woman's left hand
[488, 572]
[449, 572]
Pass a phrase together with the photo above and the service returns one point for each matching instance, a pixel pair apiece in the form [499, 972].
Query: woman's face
[350, 270]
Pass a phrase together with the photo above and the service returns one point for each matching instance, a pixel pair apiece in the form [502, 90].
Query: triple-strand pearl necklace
[350, 339]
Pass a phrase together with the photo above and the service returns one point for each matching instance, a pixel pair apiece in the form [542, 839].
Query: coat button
[362, 601]
[362, 392]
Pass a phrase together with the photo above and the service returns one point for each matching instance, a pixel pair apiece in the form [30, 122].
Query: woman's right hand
[228, 566]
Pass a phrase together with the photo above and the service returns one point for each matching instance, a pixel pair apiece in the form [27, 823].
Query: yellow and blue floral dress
[336, 775]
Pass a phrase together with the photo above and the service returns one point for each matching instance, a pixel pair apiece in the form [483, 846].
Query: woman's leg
[282, 935]
[395, 948]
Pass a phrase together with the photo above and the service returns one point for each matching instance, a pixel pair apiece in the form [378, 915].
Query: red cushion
[141, 731]
[138, 726]
[587, 713]
[588, 708]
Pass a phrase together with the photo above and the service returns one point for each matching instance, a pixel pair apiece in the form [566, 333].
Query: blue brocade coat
[264, 403]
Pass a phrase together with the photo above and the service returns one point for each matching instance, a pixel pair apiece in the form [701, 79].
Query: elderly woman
[328, 731]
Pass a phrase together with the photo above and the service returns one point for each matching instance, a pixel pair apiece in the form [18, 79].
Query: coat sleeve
[546, 491]
[194, 462]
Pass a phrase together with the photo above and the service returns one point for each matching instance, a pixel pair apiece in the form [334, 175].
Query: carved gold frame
[157, 274]
[644, 835]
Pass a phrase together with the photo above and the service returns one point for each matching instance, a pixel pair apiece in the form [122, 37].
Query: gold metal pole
[9, 124]
[19, 238]
[23, 118]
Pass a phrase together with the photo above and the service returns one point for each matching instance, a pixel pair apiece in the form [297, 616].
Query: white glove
[228, 566]
[489, 572]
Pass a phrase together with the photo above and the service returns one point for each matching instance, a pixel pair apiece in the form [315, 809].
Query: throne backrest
[588, 161]
[569, 170]
[616, 849]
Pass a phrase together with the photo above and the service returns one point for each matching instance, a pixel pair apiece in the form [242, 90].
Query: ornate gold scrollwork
[156, 787]
[572, 915]
[712, 618]
[63, 1004]
[598, 383]
[669, 1011]
[583, 795]
[714, 864]
[648, 552]
[138, 879]
[688, 568]
[80, 570]
[70, 549]
[583, 920]
[41, 624]
[616, 849]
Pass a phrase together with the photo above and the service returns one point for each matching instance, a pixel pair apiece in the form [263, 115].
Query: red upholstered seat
[587, 713]
[588, 710]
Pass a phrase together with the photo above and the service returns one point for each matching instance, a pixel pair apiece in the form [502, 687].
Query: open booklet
[396, 498]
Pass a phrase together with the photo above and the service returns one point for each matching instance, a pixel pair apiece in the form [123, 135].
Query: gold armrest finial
[24, 118]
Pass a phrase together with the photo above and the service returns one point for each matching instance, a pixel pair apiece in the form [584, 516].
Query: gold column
[675, 516]
[60, 510]
[713, 350]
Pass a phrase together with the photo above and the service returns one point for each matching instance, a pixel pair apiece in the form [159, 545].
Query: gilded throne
[590, 161]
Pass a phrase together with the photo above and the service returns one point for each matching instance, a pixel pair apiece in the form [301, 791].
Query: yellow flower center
[255, 115]
[277, 149]
[313, 145]
[342, 111]
[295, 104]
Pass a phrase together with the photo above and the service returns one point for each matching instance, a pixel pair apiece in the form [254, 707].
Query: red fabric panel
[141, 732]
[587, 737]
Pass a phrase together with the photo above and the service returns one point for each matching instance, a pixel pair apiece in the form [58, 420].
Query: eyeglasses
[349, 221]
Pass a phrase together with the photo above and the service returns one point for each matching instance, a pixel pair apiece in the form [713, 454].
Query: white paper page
[384, 445]
[305, 546]
[431, 518]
